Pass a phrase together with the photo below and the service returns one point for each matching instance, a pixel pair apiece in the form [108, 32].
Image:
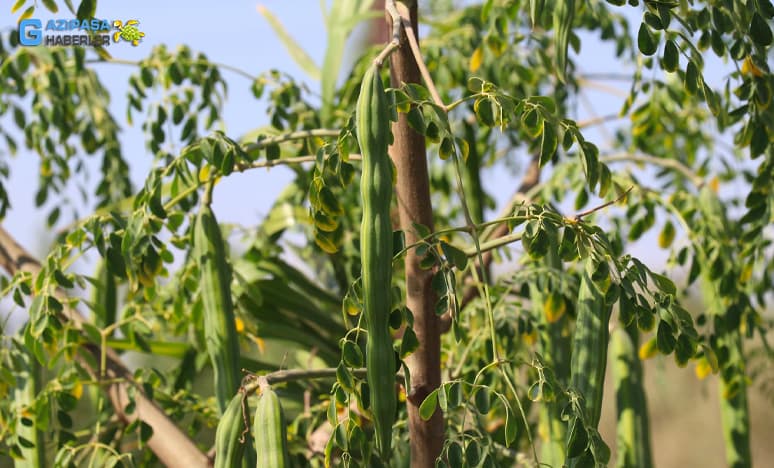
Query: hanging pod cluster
[373, 133]
[219, 326]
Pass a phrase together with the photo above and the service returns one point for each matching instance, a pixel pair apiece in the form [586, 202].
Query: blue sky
[234, 33]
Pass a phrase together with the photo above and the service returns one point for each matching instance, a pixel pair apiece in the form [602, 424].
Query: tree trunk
[413, 195]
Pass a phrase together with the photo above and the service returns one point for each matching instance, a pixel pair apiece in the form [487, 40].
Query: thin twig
[695, 178]
[606, 76]
[136, 63]
[579, 217]
[254, 381]
[395, 42]
[598, 120]
[494, 243]
[412, 40]
[603, 88]
[299, 135]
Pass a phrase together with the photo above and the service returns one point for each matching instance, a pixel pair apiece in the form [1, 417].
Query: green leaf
[511, 428]
[646, 41]
[691, 78]
[454, 454]
[427, 408]
[590, 161]
[535, 392]
[27, 13]
[667, 235]
[344, 378]
[653, 21]
[482, 400]
[533, 122]
[548, 143]
[473, 453]
[51, 6]
[664, 283]
[760, 31]
[409, 343]
[421, 230]
[454, 255]
[684, 350]
[577, 438]
[298, 54]
[759, 140]
[599, 449]
[351, 354]
[664, 338]
[671, 56]
[446, 148]
[87, 9]
[568, 249]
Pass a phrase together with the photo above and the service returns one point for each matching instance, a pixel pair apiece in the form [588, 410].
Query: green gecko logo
[128, 31]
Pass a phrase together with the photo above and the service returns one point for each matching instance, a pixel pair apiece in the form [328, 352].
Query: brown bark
[171, 445]
[413, 195]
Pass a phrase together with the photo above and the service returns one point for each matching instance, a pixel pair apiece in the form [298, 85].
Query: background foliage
[684, 165]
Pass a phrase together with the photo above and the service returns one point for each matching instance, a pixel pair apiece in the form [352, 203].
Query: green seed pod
[271, 445]
[589, 351]
[228, 448]
[633, 428]
[219, 326]
[376, 252]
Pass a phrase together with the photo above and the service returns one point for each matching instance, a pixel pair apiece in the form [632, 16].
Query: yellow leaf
[714, 184]
[703, 368]
[648, 349]
[554, 308]
[326, 244]
[77, 391]
[259, 342]
[746, 274]
[27, 13]
[239, 324]
[667, 235]
[476, 59]
[495, 423]
[748, 67]
[145, 279]
[17, 6]
[352, 308]
[530, 338]
[204, 174]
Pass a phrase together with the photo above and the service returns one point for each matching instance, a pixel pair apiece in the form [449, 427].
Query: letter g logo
[30, 32]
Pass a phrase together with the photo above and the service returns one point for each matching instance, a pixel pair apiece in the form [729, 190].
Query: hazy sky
[234, 33]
